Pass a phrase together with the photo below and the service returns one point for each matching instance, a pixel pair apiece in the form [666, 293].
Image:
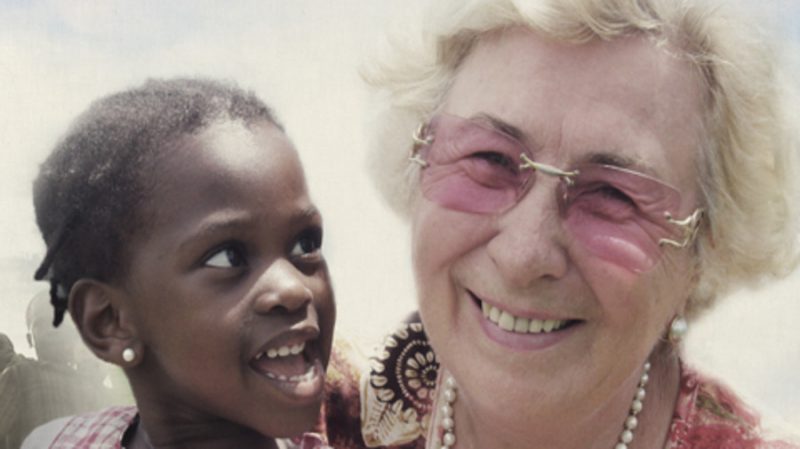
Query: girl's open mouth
[294, 368]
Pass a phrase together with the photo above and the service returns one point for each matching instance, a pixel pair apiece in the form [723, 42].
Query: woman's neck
[656, 417]
[598, 430]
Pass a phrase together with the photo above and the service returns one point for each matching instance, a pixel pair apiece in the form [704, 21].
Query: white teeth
[283, 351]
[305, 377]
[506, 321]
[494, 314]
[520, 325]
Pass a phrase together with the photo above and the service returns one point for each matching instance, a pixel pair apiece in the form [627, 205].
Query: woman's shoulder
[708, 414]
[385, 400]
[101, 429]
[340, 415]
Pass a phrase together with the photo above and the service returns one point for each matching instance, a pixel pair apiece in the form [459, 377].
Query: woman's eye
[603, 201]
[226, 258]
[308, 243]
[495, 158]
[613, 193]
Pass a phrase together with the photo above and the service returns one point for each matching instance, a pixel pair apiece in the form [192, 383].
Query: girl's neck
[183, 439]
[162, 425]
[601, 430]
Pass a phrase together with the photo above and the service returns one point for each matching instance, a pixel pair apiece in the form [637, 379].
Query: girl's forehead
[227, 163]
[222, 149]
[239, 145]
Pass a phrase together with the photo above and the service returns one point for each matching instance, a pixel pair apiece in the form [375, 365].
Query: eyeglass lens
[617, 214]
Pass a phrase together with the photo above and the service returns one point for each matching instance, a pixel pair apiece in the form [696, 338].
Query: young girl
[182, 240]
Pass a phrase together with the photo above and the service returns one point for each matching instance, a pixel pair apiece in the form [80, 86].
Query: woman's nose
[282, 287]
[531, 244]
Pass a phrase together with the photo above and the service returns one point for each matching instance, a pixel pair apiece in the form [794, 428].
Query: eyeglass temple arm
[567, 176]
[418, 142]
[689, 226]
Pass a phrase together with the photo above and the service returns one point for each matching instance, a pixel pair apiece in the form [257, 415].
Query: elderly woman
[583, 179]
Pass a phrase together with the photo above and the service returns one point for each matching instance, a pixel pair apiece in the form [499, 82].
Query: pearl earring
[128, 355]
[678, 329]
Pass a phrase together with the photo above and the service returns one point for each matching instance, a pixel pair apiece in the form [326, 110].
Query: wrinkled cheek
[419, 252]
[424, 251]
[634, 305]
[440, 240]
[626, 245]
[459, 191]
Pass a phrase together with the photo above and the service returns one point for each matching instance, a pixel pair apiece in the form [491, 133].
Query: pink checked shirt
[106, 430]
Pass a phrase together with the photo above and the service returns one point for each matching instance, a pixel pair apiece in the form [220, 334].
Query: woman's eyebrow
[622, 161]
[609, 158]
[501, 125]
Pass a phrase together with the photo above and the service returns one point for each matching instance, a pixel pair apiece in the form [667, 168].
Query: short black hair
[6, 351]
[88, 193]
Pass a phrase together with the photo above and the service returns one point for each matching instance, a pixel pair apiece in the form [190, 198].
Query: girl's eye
[226, 258]
[308, 243]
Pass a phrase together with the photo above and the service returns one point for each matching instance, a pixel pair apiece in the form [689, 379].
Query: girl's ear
[104, 322]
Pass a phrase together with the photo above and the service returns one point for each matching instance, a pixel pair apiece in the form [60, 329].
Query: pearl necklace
[448, 424]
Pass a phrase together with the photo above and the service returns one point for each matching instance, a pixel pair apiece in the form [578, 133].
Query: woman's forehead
[628, 96]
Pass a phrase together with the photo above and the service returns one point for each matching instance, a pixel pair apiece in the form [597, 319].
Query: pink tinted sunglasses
[619, 215]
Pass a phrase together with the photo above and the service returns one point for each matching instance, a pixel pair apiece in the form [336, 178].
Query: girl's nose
[282, 287]
[531, 243]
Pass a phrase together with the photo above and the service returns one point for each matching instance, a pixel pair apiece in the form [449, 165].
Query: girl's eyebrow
[216, 224]
[306, 213]
[224, 222]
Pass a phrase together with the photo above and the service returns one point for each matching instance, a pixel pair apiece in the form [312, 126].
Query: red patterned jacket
[387, 403]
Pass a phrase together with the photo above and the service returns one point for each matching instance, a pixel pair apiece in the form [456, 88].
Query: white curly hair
[748, 156]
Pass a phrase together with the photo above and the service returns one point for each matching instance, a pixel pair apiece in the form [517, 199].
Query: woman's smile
[520, 330]
[523, 289]
[575, 175]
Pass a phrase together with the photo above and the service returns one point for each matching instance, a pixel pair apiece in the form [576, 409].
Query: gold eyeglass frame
[688, 226]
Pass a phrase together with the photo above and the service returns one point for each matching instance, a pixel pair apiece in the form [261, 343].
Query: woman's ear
[104, 322]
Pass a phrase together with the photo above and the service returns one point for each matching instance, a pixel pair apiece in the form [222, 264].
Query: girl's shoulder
[102, 429]
[708, 414]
